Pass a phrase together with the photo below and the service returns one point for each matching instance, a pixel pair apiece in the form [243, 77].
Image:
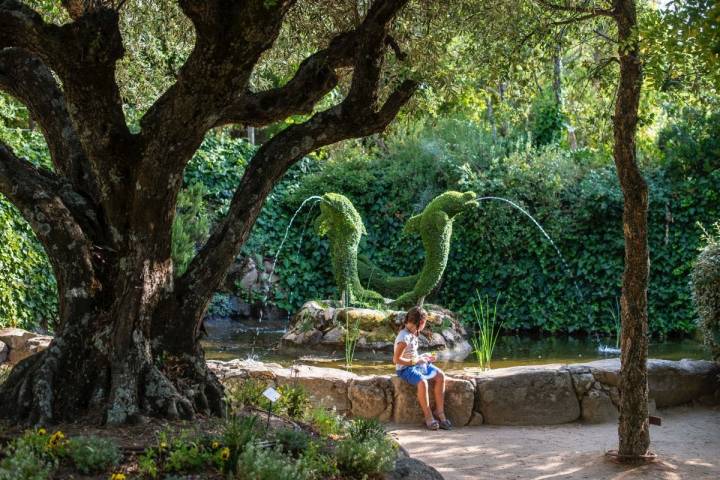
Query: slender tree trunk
[633, 427]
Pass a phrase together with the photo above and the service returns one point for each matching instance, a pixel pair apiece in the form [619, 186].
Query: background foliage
[499, 94]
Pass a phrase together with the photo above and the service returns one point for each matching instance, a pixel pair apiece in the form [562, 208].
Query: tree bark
[633, 427]
[127, 343]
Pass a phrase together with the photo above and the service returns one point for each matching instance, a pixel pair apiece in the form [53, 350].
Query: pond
[228, 339]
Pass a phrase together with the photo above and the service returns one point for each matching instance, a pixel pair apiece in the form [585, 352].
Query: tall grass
[352, 332]
[487, 330]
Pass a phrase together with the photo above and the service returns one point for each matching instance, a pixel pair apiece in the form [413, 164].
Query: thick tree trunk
[127, 342]
[633, 428]
[102, 361]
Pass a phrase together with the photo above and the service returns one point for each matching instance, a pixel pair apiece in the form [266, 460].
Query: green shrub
[363, 459]
[292, 441]
[93, 454]
[319, 462]
[546, 119]
[361, 429]
[705, 282]
[238, 433]
[325, 421]
[256, 463]
[28, 457]
[23, 462]
[147, 463]
[246, 393]
[293, 401]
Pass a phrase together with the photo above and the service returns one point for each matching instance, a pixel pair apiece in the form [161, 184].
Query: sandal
[444, 424]
[432, 424]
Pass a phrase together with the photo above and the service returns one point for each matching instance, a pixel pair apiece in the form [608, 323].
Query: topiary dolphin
[344, 227]
[434, 225]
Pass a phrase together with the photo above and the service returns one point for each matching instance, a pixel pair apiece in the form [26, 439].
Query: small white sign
[272, 394]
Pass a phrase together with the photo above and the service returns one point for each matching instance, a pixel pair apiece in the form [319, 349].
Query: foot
[432, 424]
[444, 423]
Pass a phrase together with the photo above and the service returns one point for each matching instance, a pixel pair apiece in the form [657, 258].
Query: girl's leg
[439, 391]
[424, 399]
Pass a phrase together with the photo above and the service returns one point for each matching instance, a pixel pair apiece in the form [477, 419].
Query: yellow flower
[224, 454]
[215, 445]
[163, 445]
[117, 476]
[42, 431]
[56, 439]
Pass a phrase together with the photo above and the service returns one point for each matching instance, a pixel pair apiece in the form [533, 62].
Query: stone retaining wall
[536, 395]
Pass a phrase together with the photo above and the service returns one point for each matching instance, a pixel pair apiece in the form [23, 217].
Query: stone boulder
[527, 396]
[671, 382]
[322, 324]
[459, 401]
[4, 352]
[371, 397]
[327, 387]
[597, 407]
[674, 383]
[407, 468]
[21, 343]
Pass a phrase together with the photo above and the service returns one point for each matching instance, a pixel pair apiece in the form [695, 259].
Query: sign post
[272, 395]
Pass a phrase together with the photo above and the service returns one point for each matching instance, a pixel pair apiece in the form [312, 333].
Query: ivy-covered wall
[495, 249]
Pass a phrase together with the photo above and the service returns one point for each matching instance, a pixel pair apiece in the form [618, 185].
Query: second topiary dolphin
[434, 225]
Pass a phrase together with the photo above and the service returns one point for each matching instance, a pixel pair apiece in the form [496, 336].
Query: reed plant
[486, 330]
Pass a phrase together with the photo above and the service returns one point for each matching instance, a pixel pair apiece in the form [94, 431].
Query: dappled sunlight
[568, 451]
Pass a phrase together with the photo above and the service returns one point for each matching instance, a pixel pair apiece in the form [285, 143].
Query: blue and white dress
[412, 374]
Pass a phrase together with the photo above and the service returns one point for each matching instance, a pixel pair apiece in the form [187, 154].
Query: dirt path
[688, 447]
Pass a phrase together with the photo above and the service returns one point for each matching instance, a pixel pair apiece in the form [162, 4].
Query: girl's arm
[397, 360]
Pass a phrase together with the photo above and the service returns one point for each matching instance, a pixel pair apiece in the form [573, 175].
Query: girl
[419, 369]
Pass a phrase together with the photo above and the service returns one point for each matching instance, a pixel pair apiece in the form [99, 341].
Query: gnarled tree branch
[39, 195]
[357, 116]
[593, 12]
[26, 78]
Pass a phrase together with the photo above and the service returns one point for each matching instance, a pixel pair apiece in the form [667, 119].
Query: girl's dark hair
[415, 315]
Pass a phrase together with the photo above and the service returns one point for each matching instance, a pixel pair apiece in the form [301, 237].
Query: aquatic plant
[487, 330]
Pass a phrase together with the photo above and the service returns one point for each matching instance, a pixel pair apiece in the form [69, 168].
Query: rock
[674, 383]
[476, 419]
[366, 319]
[239, 370]
[527, 396]
[378, 328]
[371, 397]
[582, 383]
[407, 468]
[249, 279]
[436, 340]
[598, 408]
[15, 338]
[327, 387]
[311, 337]
[4, 351]
[21, 343]
[459, 401]
[336, 336]
[671, 382]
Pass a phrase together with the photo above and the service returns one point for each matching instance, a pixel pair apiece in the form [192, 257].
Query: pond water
[228, 339]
